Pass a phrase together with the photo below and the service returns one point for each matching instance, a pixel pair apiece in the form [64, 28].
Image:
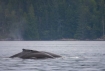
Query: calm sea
[76, 56]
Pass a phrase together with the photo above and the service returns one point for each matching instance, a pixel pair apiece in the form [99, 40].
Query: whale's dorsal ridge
[27, 50]
[34, 54]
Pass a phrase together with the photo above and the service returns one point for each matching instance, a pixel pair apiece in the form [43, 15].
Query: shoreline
[98, 39]
[63, 39]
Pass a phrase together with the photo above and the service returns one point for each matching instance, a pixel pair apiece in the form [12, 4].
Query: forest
[52, 19]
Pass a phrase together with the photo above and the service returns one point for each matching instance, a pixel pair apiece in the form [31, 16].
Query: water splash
[17, 30]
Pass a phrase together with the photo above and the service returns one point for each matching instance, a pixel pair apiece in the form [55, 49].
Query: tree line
[52, 19]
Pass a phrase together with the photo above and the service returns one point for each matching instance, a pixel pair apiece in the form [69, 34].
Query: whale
[34, 54]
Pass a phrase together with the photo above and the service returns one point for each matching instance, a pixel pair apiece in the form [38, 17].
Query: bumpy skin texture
[33, 54]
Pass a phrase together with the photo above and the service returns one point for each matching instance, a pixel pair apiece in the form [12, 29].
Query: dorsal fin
[27, 50]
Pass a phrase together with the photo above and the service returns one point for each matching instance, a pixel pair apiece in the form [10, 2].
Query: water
[76, 56]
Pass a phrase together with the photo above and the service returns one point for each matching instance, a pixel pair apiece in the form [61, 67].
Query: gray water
[76, 56]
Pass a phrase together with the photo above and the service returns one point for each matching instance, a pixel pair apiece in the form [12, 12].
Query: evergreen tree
[31, 32]
[52, 19]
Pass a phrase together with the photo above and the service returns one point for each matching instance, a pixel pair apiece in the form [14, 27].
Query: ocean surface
[76, 56]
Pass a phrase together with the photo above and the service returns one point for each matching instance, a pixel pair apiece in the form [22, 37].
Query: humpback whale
[34, 54]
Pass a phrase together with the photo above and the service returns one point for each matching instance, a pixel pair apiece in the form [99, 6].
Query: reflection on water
[76, 56]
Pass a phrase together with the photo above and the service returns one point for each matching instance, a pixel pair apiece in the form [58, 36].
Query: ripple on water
[80, 57]
[74, 63]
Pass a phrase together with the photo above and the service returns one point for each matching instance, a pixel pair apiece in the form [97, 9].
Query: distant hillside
[51, 19]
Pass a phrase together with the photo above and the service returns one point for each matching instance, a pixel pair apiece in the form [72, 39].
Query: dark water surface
[76, 56]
